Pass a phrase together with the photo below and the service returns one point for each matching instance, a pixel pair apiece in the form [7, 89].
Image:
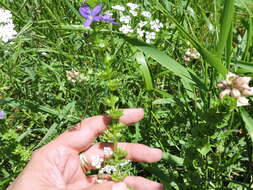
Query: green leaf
[51, 131]
[174, 159]
[205, 149]
[211, 58]
[226, 23]
[144, 70]
[248, 122]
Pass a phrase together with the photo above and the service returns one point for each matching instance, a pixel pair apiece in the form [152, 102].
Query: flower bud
[242, 101]
[224, 93]
[235, 93]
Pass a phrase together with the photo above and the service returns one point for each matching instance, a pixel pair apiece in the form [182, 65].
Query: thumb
[109, 186]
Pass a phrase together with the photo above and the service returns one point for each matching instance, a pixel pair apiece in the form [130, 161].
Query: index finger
[86, 132]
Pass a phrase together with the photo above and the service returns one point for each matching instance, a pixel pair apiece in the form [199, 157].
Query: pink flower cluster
[237, 87]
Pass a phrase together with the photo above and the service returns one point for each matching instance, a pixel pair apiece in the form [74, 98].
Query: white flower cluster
[108, 151]
[191, 54]
[108, 169]
[146, 28]
[72, 75]
[7, 28]
[96, 161]
[237, 87]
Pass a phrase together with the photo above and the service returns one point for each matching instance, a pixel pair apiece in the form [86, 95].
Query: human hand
[57, 164]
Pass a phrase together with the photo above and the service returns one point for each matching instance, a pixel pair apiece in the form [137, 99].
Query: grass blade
[144, 70]
[226, 23]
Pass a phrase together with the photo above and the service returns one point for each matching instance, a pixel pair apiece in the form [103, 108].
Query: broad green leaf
[226, 22]
[174, 159]
[248, 122]
[51, 131]
[205, 149]
[144, 70]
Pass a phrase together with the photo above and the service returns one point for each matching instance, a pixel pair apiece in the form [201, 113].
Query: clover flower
[191, 54]
[7, 28]
[237, 87]
[73, 75]
[94, 15]
[2, 114]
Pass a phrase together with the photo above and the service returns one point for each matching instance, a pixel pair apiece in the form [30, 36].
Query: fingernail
[157, 151]
[119, 186]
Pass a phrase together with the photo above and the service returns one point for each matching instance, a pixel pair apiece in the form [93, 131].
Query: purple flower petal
[85, 11]
[2, 114]
[88, 22]
[97, 18]
[108, 18]
[96, 10]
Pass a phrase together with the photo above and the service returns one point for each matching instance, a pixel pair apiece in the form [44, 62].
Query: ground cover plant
[187, 63]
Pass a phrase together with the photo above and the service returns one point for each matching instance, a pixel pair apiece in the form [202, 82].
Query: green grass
[207, 143]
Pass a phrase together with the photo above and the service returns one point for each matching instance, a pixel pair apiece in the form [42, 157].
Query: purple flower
[2, 114]
[94, 15]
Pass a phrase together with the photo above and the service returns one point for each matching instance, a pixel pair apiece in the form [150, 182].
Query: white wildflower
[140, 32]
[146, 14]
[142, 23]
[96, 161]
[108, 169]
[7, 32]
[156, 25]
[134, 13]
[125, 19]
[118, 7]
[108, 151]
[7, 28]
[5, 16]
[125, 29]
[132, 6]
[150, 36]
